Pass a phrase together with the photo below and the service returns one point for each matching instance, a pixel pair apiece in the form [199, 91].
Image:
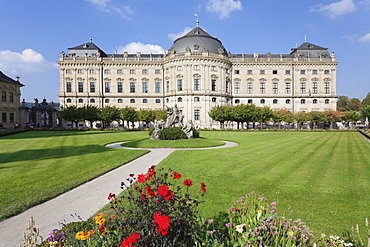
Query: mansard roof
[4, 78]
[310, 50]
[87, 48]
[197, 40]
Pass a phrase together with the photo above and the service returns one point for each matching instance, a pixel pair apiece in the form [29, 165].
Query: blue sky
[33, 33]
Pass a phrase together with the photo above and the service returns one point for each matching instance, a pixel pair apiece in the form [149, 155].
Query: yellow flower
[112, 216]
[81, 235]
[100, 221]
[99, 216]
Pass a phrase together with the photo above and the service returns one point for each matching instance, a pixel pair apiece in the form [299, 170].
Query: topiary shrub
[172, 133]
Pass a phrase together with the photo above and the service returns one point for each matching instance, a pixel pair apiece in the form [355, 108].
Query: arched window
[262, 101]
[287, 101]
[196, 99]
[80, 100]
[145, 101]
[69, 101]
[326, 101]
[314, 101]
[303, 101]
[213, 99]
[132, 101]
[167, 100]
[250, 101]
[275, 101]
[157, 101]
[179, 99]
[92, 101]
[107, 100]
[237, 101]
[120, 101]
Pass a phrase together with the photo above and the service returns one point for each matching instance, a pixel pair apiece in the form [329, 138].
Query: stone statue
[158, 127]
[174, 117]
[188, 129]
[36, 101]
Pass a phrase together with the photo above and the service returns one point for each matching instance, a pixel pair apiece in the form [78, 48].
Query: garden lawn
[39, 165]
[319, 177]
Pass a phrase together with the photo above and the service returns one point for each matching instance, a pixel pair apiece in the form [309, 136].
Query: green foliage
[160, 114]
[89, 113]
[366, 100]
[72, 114]
[172, 133]
[128, 114]
[365, 112]
[243, 113]
[221, 114]
[146, 116]
[351, 116]
[109, 114]
[354, 104]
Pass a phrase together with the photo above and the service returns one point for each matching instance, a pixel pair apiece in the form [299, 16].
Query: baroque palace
[197, 73]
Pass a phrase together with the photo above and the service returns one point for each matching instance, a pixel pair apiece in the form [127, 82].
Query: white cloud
[365, 38]
[336, 9]
[174, 36]
[223, 7]
[104, 5]
[134, 47]
[27, 61]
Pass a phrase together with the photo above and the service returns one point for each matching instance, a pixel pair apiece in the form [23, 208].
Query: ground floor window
[196, 114]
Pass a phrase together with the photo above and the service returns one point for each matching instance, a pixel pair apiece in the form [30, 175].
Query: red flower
[203, 187]
[111, 195]
[143, 196]
[150, 191]
[164, 191]
[176, 175]
[151, 172]
[188, 182]
[141, 178]
[130, 240]
[162, 222]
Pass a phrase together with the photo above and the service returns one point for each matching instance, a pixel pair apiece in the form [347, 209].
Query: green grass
[320, 177]
[37, 166]
[185, 143]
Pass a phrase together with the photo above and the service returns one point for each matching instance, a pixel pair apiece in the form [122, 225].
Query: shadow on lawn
[50, 133]
[51, 153]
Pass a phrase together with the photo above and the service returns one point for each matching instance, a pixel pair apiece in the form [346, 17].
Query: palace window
[236, 72]
[157, 101]
[145, 87]
[250, 87]
[237, 101]
[262, 87]
[196, 67]
[274, 87]
[179, 67]
[179, 99]
[262, 72]
[274, 72]
[92, 87]
[213, 68]
[326, 87]
[262, 101]
[275, 101]
[250, 101]
[213, 85]
[119, 71]
[132, 101]
[314, 101]
[179, 85]
[302, 72]
[68, 71]
[167, 86]
[196, 85]
[80, 71]
[303, 87]
[132, 71]
[213, 99]
[314, 87]
[106, 71]
[196, 114]
[249, 72]
[69, 87]
[326, 101]
[157, 71]
[119, 87]
[11, 117]
[107, 101]
[237, 87]
[196, 99]
[80, 101]
[92, 71]
[132, 87]
[145, 71]
[145, 101]
[69, 101]
[227, 86]
[157, 87]
[303, 101]
[3, 117]
[287, 72]
[287, 101]
[80, 87]
[326, 72]
[11, 97]
[107, 87]
[314, 72]
[92, 101]
[287, 87]
[120, 101]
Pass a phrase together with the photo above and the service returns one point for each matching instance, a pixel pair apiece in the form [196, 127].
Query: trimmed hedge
[172, 133]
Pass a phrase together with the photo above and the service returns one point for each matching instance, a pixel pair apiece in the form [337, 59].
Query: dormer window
[196, 47]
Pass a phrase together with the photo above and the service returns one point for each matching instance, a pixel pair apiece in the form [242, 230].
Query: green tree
[128, 114]
[220, 114]
[351, 116]
[146, 116]
[342, 103]
[365, 112]
[90, 113]
[71, 114]
[317, 117]
[354, 104]
[109, 114]
[263, 114]
[301, 118]
[366, 100]
[282, 115]
[160, 114]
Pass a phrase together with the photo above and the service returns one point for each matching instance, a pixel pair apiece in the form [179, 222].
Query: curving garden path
[85, 200]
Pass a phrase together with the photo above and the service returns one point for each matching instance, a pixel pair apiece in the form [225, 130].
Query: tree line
[251, 114]
[109, 114]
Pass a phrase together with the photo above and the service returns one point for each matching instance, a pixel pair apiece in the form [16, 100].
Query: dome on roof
[197, 40]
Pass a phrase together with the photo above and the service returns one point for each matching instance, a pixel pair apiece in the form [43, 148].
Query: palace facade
[197, 73]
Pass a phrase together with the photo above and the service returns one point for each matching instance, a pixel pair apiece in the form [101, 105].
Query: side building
[10, 101]
[197, 73]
